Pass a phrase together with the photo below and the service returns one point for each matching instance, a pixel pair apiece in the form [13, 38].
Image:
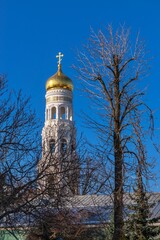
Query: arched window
[47, 114]
[63, 146]
[53, 113]
[70, 114]
[62, 113]
[51, 184]
[52, 146]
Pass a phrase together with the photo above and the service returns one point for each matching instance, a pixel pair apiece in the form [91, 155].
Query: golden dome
[59, 80]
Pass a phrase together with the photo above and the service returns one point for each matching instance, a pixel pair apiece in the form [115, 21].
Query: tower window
[62, 113]
[47, 115]
[69, 114]
[53, 113]
[52, 146]
[64, 146]
[51, 184]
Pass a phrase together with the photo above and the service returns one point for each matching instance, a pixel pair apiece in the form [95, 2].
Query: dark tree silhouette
[110, 68]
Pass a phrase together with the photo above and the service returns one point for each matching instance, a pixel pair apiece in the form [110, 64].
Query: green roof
[6, 235]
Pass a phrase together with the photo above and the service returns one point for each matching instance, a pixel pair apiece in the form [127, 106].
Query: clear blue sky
[34, 31]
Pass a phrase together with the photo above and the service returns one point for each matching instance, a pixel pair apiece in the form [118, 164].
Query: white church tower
[59, 159]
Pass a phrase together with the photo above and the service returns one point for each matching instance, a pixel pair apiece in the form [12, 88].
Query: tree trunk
[118, 189]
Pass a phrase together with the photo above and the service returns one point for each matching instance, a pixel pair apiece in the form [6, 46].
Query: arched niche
[53, 113]
[69, 114]
[47, 114]
[52, 146]
[62, 113]
[63, 146]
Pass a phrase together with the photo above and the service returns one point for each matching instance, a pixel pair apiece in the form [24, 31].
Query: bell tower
[59, 159]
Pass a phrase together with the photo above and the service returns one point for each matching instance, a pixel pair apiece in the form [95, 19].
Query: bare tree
[20, 151]
[62, 212]
[111, 68]
[23, 189]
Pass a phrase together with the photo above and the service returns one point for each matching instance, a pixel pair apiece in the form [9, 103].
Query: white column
[57, 109]
[67, 112]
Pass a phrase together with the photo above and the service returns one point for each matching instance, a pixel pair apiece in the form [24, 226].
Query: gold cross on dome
[59, 56]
